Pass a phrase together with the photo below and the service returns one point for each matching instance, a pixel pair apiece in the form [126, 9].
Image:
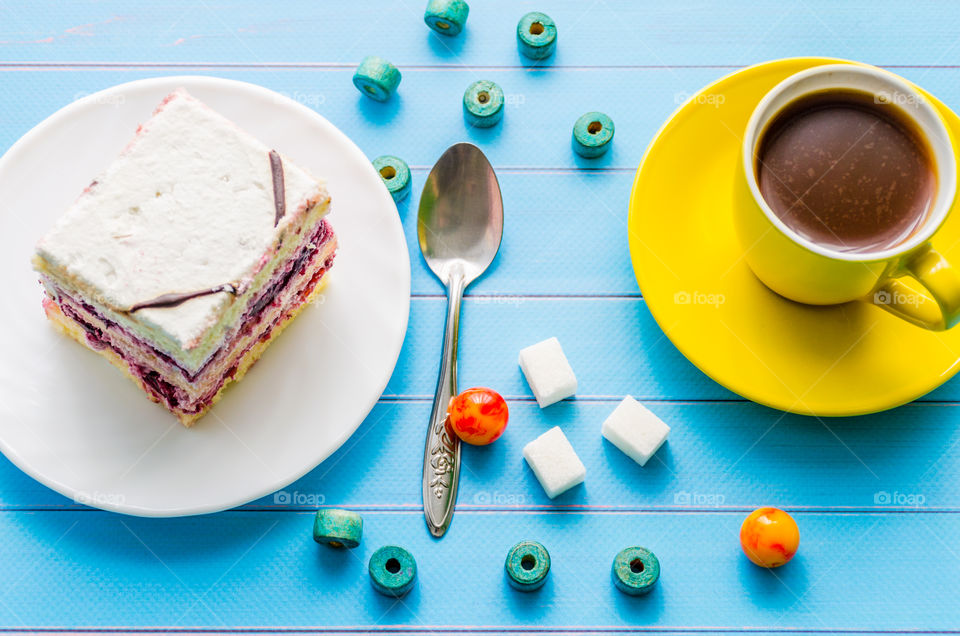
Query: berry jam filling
[299, 264]
[94, 335]
[160, 387]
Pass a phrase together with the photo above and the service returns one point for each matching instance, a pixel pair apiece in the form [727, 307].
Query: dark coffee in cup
[846, 171]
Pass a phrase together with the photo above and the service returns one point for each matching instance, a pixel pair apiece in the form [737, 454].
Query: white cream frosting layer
[187, 206]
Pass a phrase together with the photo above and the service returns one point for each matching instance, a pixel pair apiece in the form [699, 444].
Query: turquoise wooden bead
[446, 17]
[536, 35]
[527, 566]
[337, 528]
[393, 571]
[592, 135]
[376, 78]
[483, 104]
[395, 174]
[635, 571]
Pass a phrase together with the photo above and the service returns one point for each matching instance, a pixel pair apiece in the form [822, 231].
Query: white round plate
[72, 421]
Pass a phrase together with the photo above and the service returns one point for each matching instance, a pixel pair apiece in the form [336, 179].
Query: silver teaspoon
[459, 227]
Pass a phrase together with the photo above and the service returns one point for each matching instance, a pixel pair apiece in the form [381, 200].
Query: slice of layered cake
[183, 260]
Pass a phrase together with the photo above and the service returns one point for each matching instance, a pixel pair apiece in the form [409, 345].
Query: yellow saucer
[839, 360]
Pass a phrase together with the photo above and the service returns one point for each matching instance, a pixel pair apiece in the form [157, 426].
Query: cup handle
[939, 311]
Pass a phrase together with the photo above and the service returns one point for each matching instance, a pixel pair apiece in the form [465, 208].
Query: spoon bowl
[460, 222]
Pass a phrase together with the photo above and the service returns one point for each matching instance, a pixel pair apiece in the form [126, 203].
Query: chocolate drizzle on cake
[172, 300]
[279, 200]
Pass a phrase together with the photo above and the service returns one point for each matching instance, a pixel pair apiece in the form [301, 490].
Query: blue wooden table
[877, 498]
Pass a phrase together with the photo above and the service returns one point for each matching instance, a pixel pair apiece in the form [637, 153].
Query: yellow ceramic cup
[911, 280]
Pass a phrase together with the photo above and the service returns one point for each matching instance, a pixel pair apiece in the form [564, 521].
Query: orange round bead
[769, 537]
[478, 416]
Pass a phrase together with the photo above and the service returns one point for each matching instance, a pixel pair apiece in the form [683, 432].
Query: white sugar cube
[547, 372]
[635, 430]
[554, 462]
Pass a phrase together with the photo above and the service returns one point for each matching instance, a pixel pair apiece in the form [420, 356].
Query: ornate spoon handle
[441, 455]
